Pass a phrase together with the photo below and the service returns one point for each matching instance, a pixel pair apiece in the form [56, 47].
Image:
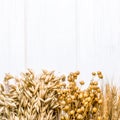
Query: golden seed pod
[72, 97]
[100, 76]
[77, 72]
[75, 78]
[100, 101]
[72, 112]
[82, 108]
[95, 82]
[98, 90]
[86, 94]
[79, 110]
[82, 82]
[69, 79]
[92, 83]
[80, 117]
[80, 96]
[63, 102]
[93, 73]
[69, 100]
[85, 103]
[63, 95]
[89, 99]
[66, 108]
[99, 118]
[62, 84]
[61, 98]
[96, 99]
[66, 117]
[99, 72]
[75, 94]
[94, 109]
[71, 74]
[72, 84]
[75, 75]
[75, 88]
[63, 77]
[90, 87]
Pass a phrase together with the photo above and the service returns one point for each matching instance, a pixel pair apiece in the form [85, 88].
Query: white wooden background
[64, 35]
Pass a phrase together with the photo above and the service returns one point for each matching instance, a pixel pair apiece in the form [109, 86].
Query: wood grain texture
[51, 35]
[61, 35]
[11, 36]
[98, 33]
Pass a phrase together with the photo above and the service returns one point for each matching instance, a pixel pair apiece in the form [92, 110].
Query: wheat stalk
[48, 97]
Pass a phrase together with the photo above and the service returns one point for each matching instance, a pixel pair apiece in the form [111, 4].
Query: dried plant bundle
[51, 97]
[31, 98]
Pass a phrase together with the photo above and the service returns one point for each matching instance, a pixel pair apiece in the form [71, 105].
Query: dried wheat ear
[51, 97]
[31, 98]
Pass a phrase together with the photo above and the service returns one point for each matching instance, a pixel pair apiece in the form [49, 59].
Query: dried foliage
[111, 109]
[78, 104]
[31, 98]
[50, 97]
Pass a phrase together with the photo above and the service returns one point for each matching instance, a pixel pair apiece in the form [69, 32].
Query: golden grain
[50, 97]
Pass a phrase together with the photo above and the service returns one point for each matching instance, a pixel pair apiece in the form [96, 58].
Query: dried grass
[31, 98]
[111, 103]
[48, 97]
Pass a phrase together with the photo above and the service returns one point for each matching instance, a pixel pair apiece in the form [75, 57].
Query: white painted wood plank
[3, 37]
[98, 34]
[51, 35]
[11, 36]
